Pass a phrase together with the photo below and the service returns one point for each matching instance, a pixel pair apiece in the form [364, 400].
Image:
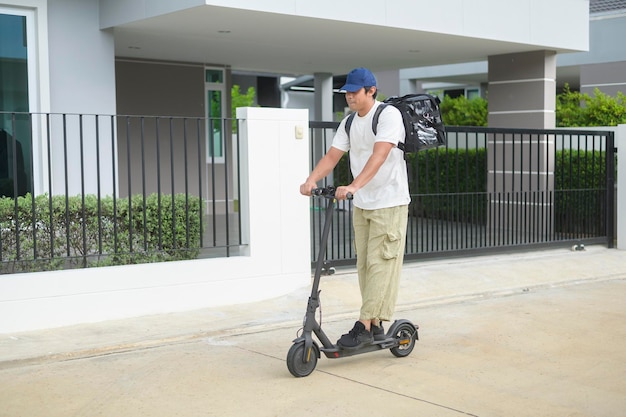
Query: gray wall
[608, 78]
[164, 89]
[159, 89]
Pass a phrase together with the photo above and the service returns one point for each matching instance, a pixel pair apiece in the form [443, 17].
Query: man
[381, 197]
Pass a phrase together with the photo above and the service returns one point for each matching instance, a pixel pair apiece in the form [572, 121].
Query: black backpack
[423, 125]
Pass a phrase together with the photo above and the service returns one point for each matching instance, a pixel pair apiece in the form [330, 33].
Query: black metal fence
[81, 190]
[98, 190]
[491, 190]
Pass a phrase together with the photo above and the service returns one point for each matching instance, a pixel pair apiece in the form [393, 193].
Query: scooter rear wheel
[295, 362]
[406, 333]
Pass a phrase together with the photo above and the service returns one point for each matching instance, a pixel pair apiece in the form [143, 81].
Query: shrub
[238, 99]
[436, 174]
[59, 232]
[575, 109]
[461, 111]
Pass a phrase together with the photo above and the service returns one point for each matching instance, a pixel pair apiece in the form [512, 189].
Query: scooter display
[303, 355]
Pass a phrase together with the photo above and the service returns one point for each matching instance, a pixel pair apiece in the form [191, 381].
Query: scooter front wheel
[406, 334]
[299, 363]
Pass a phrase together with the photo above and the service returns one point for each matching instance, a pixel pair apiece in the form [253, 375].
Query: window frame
[211, 120]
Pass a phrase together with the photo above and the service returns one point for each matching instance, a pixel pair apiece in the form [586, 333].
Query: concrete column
[323, 83]
[522, 90]
[388, 83]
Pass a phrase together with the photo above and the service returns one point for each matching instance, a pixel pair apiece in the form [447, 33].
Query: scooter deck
[336, 351]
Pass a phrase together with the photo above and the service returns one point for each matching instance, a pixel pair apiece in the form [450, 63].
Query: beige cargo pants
[379, 239]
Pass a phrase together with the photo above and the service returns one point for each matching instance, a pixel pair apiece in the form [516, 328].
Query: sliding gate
[490, 190]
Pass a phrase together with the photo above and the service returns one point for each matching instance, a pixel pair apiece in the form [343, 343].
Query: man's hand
[345, 192]
[305, 189]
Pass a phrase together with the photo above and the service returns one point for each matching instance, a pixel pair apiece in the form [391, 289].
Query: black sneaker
[378, 332]
[356, 337]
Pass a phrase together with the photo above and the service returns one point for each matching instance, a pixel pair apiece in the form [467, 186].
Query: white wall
[278, 231]
[523, 21]
[80, 68]
[82, 59]
[117, 12]
[518, 21]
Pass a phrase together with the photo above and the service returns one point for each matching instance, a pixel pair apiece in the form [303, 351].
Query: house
[603, 66]
[179, 59]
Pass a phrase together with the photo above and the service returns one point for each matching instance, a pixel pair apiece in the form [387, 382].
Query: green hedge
[580, 184]
[42, 235]
[459, 174]
[452, 184]
[438, 171]
[576, 169]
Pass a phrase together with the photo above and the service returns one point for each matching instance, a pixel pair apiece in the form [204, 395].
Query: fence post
[620, 143]
[274, 159]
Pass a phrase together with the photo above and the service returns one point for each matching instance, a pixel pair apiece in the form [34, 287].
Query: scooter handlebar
[328, 192]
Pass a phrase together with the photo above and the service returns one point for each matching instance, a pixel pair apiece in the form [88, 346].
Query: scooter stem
[330, 208]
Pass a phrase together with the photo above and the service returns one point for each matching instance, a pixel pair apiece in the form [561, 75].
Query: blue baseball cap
[357, 79]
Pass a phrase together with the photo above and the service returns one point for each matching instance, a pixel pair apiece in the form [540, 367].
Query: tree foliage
[575, 109]
[238, 99]
[461, 111]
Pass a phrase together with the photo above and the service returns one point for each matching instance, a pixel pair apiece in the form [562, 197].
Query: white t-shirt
[390, 186]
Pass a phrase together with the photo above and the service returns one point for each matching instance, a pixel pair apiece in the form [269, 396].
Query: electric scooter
[302, 357]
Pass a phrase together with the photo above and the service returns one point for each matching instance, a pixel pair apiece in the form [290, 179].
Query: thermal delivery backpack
[423, 125]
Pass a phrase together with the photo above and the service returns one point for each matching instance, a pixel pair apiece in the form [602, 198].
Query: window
[215, 111]
[15, 129]
[454, 93]
[472, 93]
[458, 91]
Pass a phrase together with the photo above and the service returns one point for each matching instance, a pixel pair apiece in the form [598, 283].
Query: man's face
[361, 100]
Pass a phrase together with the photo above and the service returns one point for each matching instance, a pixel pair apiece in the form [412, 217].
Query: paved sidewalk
[531, 334]
[423, 283]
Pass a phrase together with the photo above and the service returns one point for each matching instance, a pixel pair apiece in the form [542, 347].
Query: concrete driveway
[551, 342]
